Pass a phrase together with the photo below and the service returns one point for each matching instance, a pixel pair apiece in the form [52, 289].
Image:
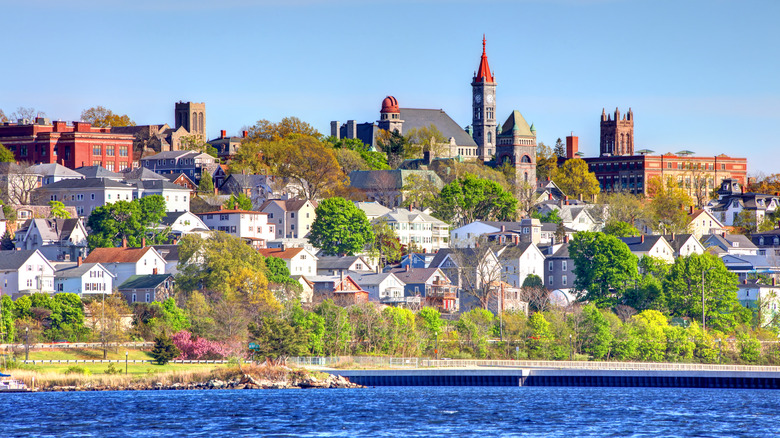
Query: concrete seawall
[562, 377]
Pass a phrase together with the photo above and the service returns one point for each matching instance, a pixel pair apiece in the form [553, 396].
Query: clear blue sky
[699, 75]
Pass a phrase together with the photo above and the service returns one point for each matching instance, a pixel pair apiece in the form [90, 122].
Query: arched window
[200, 123]
[525, 176]
[490, 137]
[525, 159]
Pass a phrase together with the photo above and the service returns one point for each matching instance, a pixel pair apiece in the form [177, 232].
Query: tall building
[516, 144]
[483, 122]
[617, 136]
[192, 117]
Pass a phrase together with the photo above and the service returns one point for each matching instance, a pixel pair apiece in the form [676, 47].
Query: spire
[483, 74]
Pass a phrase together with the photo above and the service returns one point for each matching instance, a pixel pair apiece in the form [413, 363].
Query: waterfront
[396, 411]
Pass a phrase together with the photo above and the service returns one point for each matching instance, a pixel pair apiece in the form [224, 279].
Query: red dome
[390, 105]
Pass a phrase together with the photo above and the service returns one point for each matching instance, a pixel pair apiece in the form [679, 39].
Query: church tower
[617, 136]
[192, 116]
[483, 122]
[516, 144]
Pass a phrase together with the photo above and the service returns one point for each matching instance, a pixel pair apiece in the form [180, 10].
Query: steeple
[483, 74]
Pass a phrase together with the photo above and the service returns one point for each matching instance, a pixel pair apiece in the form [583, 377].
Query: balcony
[441, 290]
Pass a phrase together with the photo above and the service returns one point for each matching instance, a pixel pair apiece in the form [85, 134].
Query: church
[484, 140]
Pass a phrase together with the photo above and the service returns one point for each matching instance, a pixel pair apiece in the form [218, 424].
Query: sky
[701, 75]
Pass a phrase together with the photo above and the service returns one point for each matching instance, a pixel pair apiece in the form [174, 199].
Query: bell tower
[617, 135]
[483, 121]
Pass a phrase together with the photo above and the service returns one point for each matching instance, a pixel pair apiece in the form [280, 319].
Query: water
[396, 412]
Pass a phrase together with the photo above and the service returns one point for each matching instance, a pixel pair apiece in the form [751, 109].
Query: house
[575, 217]
[506, 298]
[558, 267]
[249, 225]
[183, 180]
[764, 298]
[335, 265]
[732, 202]
[227, 146]
[147, 288]
[299, 261]
[548, 191]
[417, 228]
[468, 268]
[191, 163]
[292, 218]
[386, 186]
[684, 244]
[57, 239]
[259, 188]
[372, 209]
[417, 260]
[182, 223]
[177, 198]
[768, 244]
[648, 245]
[519, 261]
[25, 272]
[384, 288]
[735, 244]
[701, 222]
[27, 212]
[125, 262]
[53, 172]
[548, 231]
[469, 234]
[428, 287]
[83, 279]
[171, 255]
[87, 194]
[746, 265]
[141, 174]
[97, 171]
[342, 289]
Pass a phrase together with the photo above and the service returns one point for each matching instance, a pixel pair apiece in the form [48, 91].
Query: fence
[67, 345]
[75, 361]
[382, 361]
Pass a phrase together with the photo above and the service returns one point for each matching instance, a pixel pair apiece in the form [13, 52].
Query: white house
[685, 244]
[126, 262]
[57, 239]
[417, 227]
[701, 222]
[655, 246]
[25, 272]
[467, 235]
[83, 279]
[299, 261]
[372, 209]
[182, 223]
[246, 224]
[87, 194]
[765, 297]
[383, 288]
[519, 261]
[53, 172]
[335, 265]
[177, 198]
[733, 244]
[292, 218]
[171, 255]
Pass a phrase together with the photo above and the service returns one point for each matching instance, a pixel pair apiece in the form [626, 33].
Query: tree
[559, 148]
[58, 210]
[340, 227]
[307, 162]
[394, 145]
[603, 265]
[620, 229]
[269, 131]
[164, 350]
[478, 273]
[386, 245]
[546, 162]
[371, 159]
[206, 185]
[574, 179]
[7, 242]
[668, 209]
[596, 336]
[106, 319]
[3, 118]
[6, 156]
[28, 113]
[19, 186]
[105, 118]
[622, 207]
[418, 140]
[683, 287]
[286, 287]
[132, 220]
[240, 202]
[468, 199]
[277, 340]
[540, 337]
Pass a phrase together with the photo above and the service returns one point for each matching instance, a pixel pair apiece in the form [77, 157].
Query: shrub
[164, 350]
[75, 369]
[112, 369]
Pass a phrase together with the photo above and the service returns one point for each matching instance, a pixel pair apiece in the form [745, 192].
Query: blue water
[396, 412]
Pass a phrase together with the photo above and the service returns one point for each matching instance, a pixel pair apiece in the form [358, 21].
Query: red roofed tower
[390, 115]
[484, 104]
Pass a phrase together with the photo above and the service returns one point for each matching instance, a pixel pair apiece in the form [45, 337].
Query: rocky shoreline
[246, 382]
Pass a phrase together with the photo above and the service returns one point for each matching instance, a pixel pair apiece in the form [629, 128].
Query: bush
[112, 369]
[75, 369]
[164, 351]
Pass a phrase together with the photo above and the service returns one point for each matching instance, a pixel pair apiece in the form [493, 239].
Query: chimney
[244, 134]
[410, 207]
[565, 238]
[744, 281]
[154, 271]
[690, 210]
[503, 228]
[572, 145]
[222, 133]
[143, 242]
[774, 282]
[723, 234]
[124, 242]
[549, 196]
[642, 238]
[79, 261]
[407, 266]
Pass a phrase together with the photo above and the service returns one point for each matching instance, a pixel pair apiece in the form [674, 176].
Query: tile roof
[279, 253]
[117, 255]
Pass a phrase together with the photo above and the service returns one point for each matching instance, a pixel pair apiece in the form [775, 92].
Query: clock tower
[483, 122]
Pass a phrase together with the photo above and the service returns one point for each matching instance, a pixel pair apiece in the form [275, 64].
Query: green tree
[206, 185]
[6, 156]
[277, 339]
[668, 209]
[620, 229]
[7, 242]
[240, 202]
[340, 227]
[650, 329]
[476, 326]
[559, 148]
[131, 220]
[432, 324]
[386, 245]
[394, 145]
[468, 199]
[371, 159]
[419, 192]
[574, 179]
[419, 140]
[336, 328]
[7, 326]
[164, 350]
[622, 207]
[265, 130]
[596, 334]
[603, 265]
[546, 162]
[58, 210]
[540, 337]
[105, 118]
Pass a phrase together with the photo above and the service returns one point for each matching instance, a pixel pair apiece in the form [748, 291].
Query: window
[550, 280]
[134, 298]
[122, 151]
[563, 267]
[110, 150]
[292, 215]
[550, 266]
[147, 298]
[97, 150]
[563, 280]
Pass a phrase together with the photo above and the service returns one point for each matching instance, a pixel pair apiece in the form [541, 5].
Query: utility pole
[26, 344]
[703, 325]
[103, 324]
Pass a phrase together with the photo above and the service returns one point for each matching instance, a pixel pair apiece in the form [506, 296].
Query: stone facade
[617, 135]
[192, 117]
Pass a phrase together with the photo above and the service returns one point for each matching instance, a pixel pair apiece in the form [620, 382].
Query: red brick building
[71, 145]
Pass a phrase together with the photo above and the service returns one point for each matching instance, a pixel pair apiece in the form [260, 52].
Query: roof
[75, 271]
[157, 184]
[392, 179]
[285, 204]
[483, 73]
[226, 211]
[248, 181]
[372, 208]
[117, 255]
[174, 176]
[415, 118]
[54, 169]
[728, 241]
[279, 253]
[54, 229]
[171, 217]
[641, 243]
[336, 262]
[516, 125]
[142, 173]
[175, 155]
[144, 281]
[415, 275]
[369, 278]
[561, 253]
[406, 215]
[88, 183]
[678, 240]
[13, 260]
[98, 172]
[168, 252]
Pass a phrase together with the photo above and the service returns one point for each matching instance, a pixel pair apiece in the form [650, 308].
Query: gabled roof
[372, 208]
[338, 263]
[728, 241]
[279, 253]
[98, 172]
[168, 252]
[54, 229]
[158, 184]
[370, 278]
[642, 243]
[171, 217]
[54, 169]
[676, 241]
[145, 281]
[141, 174]
[76, 271]
[406, 215]
[285, 204]
[417, 275]
[117, 255]
[174, 176]
[415, 118]
[13, 260]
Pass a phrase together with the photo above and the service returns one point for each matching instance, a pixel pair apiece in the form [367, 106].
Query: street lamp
[125, 362]
[26, 343]
[703, 326]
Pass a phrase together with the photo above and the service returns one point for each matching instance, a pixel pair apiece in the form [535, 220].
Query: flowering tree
[193, 347]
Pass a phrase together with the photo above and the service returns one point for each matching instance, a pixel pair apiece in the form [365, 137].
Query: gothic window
[526, 177]
[490, 136]
[201, 123]
[525, 159]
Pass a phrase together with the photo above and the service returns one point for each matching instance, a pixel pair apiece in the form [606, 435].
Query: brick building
[72, 145]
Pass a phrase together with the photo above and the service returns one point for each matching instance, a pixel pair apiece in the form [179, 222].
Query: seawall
[562, 377]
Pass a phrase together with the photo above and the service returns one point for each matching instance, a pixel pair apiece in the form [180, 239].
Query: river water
[396, 412]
